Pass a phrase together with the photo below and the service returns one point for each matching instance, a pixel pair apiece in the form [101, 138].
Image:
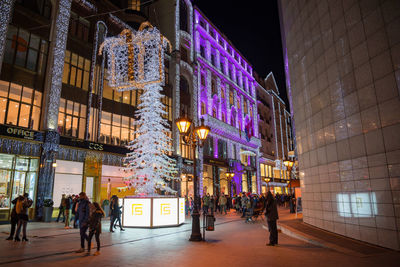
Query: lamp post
[229, 175]
[289, 165]
[190, 137]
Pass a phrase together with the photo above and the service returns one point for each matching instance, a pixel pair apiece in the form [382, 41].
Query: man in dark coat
[14, 220]
[271, 213]
[83, 215]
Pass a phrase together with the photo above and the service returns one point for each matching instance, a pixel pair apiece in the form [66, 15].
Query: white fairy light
[5, 17]
[61, 31]
[135, 61]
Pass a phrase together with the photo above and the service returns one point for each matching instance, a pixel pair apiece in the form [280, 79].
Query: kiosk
[152, 212]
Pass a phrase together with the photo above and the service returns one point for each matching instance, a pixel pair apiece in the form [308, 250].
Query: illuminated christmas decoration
[135, 61]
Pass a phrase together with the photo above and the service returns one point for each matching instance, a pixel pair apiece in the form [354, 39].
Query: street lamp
[289, 165]
[194, 138]
[229, 176]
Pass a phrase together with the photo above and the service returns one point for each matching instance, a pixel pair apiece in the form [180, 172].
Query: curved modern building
[343, 77]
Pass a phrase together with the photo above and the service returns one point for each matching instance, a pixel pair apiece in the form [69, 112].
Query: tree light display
[135, 61]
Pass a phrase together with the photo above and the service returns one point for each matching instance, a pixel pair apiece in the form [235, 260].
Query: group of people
[67, 208]
[20, 217]
[214, 203]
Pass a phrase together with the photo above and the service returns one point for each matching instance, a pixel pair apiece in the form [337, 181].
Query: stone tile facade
[343, 77]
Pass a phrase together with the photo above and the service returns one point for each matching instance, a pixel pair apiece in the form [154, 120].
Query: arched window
[214, 112]
[183, 16]
[185, 97]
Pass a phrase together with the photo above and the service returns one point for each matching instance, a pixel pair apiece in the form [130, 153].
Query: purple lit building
[226, 99]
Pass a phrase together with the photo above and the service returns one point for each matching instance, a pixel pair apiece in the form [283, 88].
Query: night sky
[254, 30]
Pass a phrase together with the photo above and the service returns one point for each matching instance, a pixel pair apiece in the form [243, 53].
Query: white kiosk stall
[152, 212]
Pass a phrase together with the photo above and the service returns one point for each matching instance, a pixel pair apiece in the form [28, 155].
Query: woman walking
[95, 227]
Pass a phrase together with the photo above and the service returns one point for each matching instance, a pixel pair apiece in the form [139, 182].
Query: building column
[175, 72]
[6, 10]
[52, 94]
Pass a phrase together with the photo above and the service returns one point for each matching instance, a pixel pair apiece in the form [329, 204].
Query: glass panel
[115, 135]
[70, 105]
[74, 126]
[116, 120]
[85, 83]
[37, 100]
[118, 96]
[5, 188]
[107, 91]
[262, 169]
[4, 88]
[32, 59]
[76, 109]
[65, 73]
[34, 165]
[19, 182]
[106, 117]
[22, 164]
[74, 59]
[83, 111]
[27, 95]
[73, 76]
[21, 54]
[125, 121]
[24, 115]
[68, 122]
[3, 107]
[15, 91]
[80, 62]
[87, 65]
[105, 133]
[82, 126]
[62, 104]
[126, 97]
[79, 78]
[6, 161]
[67, 56]
[124, 136]
[30, 184]
[61, 122]
[42, 63]
[12, 115]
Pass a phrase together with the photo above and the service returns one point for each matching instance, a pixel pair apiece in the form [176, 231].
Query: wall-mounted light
[54, 164]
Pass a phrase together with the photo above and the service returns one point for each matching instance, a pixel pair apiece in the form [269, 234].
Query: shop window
[79, 27]
[76, 70]
[245, 187]
[116, 129]
[19, 105]
[25, 50]
[262, 170]
[72, 119]
[18, 175]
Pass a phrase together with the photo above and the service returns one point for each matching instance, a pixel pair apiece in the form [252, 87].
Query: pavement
[233, 243]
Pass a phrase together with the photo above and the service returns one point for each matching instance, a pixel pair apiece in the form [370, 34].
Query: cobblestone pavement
[233, 243]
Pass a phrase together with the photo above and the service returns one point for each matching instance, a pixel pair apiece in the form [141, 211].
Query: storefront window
[253, 184]
[208, 183]
[116, 129]
[18, 175]
[223, 181]
[244, 183]
[19, 105]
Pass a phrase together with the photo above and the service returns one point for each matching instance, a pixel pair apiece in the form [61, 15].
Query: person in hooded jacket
[95, 227]
[83, 215]
[271, 213]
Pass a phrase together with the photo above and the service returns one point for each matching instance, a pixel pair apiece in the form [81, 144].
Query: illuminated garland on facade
[58, 49]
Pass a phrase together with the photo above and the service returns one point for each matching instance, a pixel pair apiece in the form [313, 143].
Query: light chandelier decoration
[136, 61]
[136, 58]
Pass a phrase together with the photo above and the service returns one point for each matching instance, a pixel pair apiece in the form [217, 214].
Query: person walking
[272, 216]
[23, 204]
[61, 208]
[75, 203]
[243, 200]
[95, 227]
[14, 220]
[222, 203]
[206, 203]
[83, 215]
[115, 211]
[67, 210]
